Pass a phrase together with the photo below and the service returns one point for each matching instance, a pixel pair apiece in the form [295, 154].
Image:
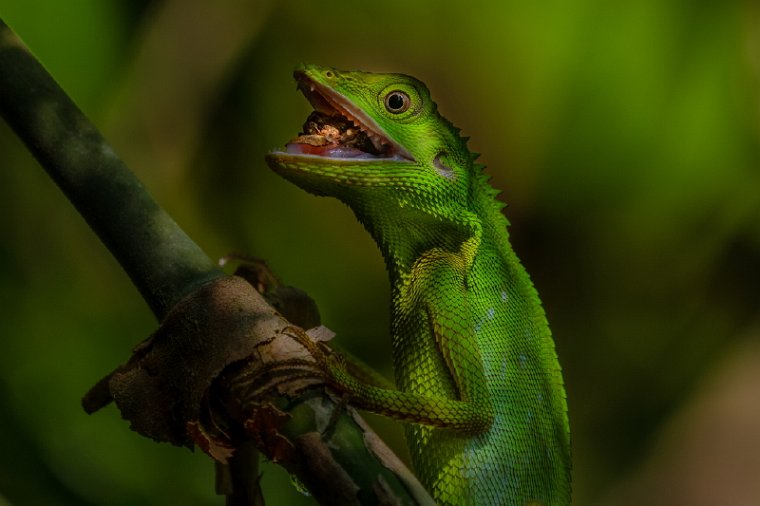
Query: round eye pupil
[397, 102]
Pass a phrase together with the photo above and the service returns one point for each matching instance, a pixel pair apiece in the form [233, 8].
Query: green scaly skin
[473, 355]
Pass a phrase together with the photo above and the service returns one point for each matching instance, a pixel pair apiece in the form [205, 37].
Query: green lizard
[473, 356]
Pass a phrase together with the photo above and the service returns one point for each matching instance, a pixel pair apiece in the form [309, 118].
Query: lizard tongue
[329, 151]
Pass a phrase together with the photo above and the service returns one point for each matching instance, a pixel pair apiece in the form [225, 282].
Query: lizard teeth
[377, 140]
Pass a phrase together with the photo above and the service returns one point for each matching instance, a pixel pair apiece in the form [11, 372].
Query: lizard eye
[397, 102]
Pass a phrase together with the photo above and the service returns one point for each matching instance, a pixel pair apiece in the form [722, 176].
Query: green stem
[161, 260]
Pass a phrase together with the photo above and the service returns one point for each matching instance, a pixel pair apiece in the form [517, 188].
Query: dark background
[625, 138]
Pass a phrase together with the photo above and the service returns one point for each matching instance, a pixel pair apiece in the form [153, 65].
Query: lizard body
[474, 360]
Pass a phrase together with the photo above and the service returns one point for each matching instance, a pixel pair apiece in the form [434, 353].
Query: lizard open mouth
[338, 129]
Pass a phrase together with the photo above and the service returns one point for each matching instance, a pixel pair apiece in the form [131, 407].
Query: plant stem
[161, 260]
[213, 321]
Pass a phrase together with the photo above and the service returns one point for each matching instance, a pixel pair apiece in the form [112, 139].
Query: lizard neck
[405, 234]
[407, 238]
[404, 242]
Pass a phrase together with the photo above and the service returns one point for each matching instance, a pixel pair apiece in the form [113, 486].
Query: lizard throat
[337, 129]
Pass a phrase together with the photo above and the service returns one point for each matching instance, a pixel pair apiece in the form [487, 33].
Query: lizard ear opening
[440, 165]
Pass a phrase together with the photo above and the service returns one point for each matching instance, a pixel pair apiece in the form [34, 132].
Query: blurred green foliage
[624, 134]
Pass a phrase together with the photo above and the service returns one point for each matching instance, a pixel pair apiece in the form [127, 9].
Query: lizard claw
[329, 362]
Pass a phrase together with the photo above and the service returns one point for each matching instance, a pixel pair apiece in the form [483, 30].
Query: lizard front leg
[447, 314]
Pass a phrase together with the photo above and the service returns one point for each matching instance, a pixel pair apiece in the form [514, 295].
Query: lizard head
[378, 143]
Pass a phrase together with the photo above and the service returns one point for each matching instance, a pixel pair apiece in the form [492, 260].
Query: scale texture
[477, 375]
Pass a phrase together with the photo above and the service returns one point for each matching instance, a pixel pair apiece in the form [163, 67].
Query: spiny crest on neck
[483, 196]
[486, 198]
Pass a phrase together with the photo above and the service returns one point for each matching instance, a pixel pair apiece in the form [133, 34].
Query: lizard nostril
[328, 74]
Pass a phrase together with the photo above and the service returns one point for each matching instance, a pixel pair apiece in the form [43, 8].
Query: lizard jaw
[334, 139]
